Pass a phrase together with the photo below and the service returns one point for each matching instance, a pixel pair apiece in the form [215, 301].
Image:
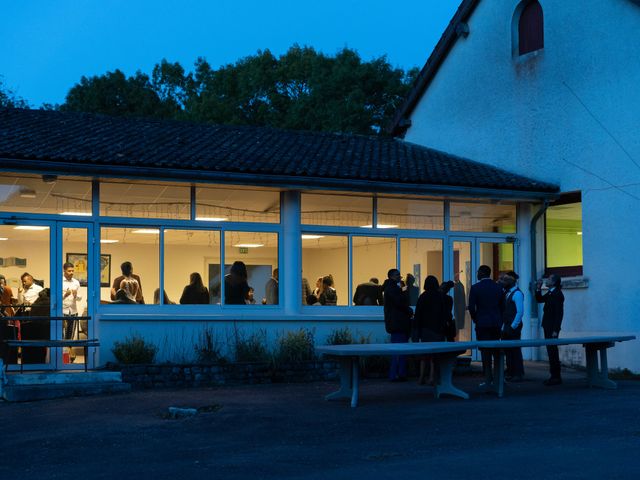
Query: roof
[457, 27]
[99, 145]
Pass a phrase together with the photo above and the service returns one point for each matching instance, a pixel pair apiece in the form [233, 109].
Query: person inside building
[397, 320]
[29, 291]
[195, 292]
[133, 290]
[70, 298]
[368, 293]
[312, 300]
[235, 284]
[166, 299]
[271, 289]
[329, 296]
[552, 314]
[413, 289]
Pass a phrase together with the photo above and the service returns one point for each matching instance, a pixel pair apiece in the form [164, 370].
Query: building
[175, 198]
[548, 90]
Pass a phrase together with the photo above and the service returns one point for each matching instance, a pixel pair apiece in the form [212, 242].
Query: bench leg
[355, 379]
[598, 376]
[444, 363]
[346, 371]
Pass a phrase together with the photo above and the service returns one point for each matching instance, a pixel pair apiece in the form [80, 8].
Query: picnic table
[444, 355]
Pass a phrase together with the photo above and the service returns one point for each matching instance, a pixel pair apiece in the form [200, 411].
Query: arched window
[530, 28]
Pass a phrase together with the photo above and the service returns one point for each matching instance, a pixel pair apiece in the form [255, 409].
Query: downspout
[532, 284]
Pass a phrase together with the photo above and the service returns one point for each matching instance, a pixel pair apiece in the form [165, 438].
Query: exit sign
[243, 249]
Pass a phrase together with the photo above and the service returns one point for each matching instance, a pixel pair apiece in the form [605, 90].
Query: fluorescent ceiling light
[104, 240]
[2, 239]
[30, 227]
[211, 219]
[27, 193]
[149, 231]
[81, 214]
[249, 245]
[380, 225]
[311, 237]
[579, 233]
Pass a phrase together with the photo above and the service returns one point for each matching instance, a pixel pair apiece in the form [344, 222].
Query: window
[191, 257]
[530, 25]
[563, 236]
[420, 257]
[145, 199]
[139, 247]
[337, 210]
[223, 204]
[45, 194]
[326, 256]
[372, 258]
[258, 253]
[410, 214]
[483, 217]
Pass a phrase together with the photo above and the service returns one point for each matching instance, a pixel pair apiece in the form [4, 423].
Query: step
[30, 392]
[61, 378]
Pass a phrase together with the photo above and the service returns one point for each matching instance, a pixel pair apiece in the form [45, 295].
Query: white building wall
[567, 114]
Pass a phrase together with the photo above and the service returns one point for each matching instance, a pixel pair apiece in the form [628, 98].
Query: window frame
[569, 270]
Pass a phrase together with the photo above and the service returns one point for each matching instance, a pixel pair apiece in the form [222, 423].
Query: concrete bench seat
[444, 356]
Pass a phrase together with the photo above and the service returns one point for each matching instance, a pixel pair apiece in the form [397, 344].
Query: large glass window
[419, 258]
[410, 213]
[498, 256]
[337, 210]
[483, 217]
[145, 199]
[251, 268]
[564, 237]
[191, 267]
[326, 257]
[225, 204]
[372, 258]
[45, 194]
[133, 272]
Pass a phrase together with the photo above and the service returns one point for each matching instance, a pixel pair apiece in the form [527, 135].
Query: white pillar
[523, 268]
[291, 255]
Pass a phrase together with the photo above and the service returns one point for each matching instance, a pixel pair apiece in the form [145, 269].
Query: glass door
[25, 281]
[497, 254]
[463, 275]
[74, 297]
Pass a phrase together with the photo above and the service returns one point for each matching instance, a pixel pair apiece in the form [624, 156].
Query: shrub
[134, 349]
[208, 347]
[252, 348]
[295, 347]
[340, 336]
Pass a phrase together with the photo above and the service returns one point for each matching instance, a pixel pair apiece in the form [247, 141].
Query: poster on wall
[80, 263]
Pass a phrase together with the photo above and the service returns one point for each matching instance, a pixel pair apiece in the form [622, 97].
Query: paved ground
[289, 432]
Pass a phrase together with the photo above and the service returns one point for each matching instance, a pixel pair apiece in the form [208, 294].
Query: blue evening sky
[46, 46]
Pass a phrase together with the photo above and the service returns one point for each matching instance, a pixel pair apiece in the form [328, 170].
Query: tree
[302, 89]
[8, 98]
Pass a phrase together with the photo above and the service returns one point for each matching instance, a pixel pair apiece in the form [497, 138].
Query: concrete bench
[444, 355]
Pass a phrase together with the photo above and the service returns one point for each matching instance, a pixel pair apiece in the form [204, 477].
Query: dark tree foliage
[9, 99]
[302, 89]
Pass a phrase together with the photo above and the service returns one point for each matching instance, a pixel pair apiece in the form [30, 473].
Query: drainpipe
[532, 285]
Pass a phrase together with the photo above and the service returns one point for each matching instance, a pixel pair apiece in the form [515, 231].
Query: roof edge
[398, 125]
[281, 181]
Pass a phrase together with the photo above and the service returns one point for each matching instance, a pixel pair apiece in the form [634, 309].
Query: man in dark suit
[552, 314]
[368, 293]
[486, 303]
[397, 320]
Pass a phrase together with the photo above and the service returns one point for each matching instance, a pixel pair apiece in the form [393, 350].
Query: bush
[340, 336]
[134, 349]
[208, 348]
[295, 347]
[252, 349]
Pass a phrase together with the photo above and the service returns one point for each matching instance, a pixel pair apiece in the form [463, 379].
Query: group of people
[127, 288]
[324, 293]
[496, 308]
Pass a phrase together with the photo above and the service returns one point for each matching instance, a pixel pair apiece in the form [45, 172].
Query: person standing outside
[397, 320]
[485, 307]
[552, 314]
[70, 297]
[512, 325]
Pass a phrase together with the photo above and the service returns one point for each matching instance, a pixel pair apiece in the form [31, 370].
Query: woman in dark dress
[236, 287]
[195, 292]
[428, 321]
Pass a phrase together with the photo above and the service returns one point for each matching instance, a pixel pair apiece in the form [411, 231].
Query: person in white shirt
[70, 297]
[512, 325]
[28, 292]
